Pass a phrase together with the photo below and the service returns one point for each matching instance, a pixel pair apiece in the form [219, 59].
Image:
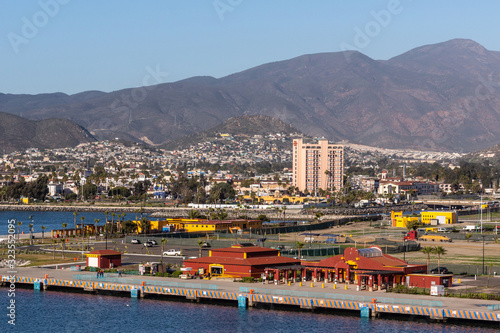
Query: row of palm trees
[20, 223]
[428, 250]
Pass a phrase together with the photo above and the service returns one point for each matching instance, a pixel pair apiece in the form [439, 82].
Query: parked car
[440, 270]
[172, 252]
[205, 244]
[135, 241]
[153, 241]
[148, 244]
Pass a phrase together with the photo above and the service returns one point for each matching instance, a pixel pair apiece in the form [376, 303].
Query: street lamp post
[404, 251]
[482, 222]
[483, 252]
[105, 227]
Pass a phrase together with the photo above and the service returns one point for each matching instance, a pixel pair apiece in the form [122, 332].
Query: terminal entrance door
[216, 270]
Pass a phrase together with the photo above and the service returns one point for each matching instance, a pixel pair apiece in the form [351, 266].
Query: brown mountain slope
[18, 133]
[440, 97]
[238, 126]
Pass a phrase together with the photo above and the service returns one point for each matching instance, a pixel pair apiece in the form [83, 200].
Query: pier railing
[344, 297]
[148, 282]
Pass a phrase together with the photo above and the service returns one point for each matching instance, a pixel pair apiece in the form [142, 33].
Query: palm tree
[163, 242]
[54, 241]
[113, 221]
[106, 213]
[145, 225]
[328, 174]
[43, 231]
[62, 247]
[31, 229]
[428, 250]
[439, 250]
[95, 227]
[75, 213]
[64, 225]
[19, 223]
[299, 246]
[122, 219]
[193, 214]
[31, 233]
[200, 245]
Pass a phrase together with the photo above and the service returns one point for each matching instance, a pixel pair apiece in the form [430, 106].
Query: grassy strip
[39, 259]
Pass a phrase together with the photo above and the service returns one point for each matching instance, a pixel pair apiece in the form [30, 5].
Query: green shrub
[176, 274]
[247, 279]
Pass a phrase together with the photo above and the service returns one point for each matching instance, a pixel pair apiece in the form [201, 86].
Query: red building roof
[258, 261]
[370, 259]
[240, 260]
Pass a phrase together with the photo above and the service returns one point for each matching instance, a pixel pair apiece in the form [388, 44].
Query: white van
[471, 228]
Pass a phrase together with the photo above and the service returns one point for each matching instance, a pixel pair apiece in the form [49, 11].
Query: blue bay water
[52, 220]
[54, 311]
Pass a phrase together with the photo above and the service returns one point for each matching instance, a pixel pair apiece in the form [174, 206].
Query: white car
[172, 252]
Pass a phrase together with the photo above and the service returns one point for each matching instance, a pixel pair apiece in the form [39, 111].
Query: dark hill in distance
[443, 96]
[244, 126]
[17, 133]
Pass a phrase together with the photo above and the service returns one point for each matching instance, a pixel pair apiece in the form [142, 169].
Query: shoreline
[159, 212]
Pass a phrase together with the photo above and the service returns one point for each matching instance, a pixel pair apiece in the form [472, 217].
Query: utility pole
[483, 252]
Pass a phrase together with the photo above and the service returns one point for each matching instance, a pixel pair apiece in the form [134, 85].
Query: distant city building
[317, 165]
[55, 189]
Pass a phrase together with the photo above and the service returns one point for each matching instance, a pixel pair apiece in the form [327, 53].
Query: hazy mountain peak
[434, 97]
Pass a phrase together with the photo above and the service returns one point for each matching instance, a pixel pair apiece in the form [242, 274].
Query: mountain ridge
[426, 98]
[17, 133]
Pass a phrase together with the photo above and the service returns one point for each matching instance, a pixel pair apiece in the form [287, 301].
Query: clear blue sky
[110, 44]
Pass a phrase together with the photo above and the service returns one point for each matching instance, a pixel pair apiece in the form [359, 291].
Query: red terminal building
[104, 259]
[369, 268]
[240, 260]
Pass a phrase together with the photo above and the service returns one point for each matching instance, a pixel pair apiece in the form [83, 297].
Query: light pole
[404, 251]
[105, 227]
[483, 252]
[482, 224]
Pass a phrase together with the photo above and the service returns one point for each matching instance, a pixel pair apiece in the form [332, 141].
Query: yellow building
[200, 225]
[400, 221]
[216, 225]
[438, 217]
[155, 226]
[26, 201]
[269, 199]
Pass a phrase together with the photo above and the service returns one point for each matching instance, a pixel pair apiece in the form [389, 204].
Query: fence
[344, 297]
[461, 269]
[111, 279]
[259, 233]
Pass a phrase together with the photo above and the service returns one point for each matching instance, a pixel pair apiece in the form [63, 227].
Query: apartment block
[317, 165]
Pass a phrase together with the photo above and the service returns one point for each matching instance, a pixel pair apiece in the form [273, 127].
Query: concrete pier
[375, 304]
